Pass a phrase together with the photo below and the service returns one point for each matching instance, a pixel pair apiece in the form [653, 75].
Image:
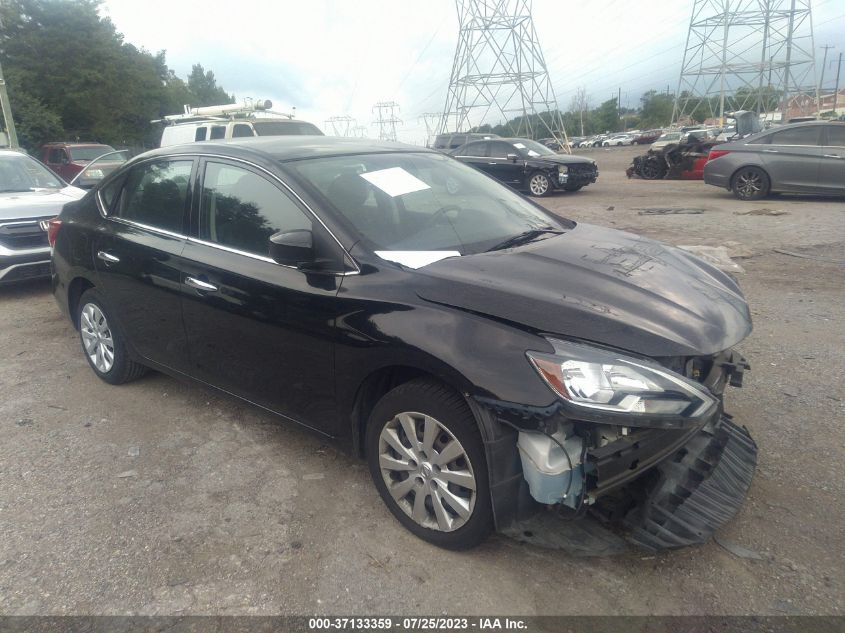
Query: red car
[68, 159]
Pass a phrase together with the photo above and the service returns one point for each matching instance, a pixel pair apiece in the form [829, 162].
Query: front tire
[750, 183]
[426, 458]
[103, 343]
[539, 184]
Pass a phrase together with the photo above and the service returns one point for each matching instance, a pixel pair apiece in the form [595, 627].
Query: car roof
[294, 147]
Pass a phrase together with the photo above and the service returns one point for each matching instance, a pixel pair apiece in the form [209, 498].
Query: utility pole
[826, 47]
[341, 125]
[387, 119]
[836, 92]
[432, 122]
[499, 72]
[729, 43]
[7, 112]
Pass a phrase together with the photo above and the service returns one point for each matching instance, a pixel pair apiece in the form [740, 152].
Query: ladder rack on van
[225, 112]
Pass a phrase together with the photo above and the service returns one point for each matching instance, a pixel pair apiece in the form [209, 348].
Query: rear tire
[426, 458]
[750, 183]
[103, 343]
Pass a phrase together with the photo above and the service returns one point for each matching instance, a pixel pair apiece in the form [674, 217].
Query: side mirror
[292, 248]
[512, 158]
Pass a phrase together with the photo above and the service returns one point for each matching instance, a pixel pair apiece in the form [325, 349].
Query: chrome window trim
[269, 260]
[147, 227]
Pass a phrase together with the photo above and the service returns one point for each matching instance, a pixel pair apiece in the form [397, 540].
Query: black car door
[474, 154]
[505, 163]
[137, 256]
[258, 329]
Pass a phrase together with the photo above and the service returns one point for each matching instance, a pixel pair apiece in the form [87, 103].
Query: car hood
[599, 285]
[561, 159]
[16, 205]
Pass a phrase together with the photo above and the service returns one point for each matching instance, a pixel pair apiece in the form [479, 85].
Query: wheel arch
[382, 380]
[76, 288]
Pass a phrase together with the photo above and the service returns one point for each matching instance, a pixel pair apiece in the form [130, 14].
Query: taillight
[715, 153]
[53, 227]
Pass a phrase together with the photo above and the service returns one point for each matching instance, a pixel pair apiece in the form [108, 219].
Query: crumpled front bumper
[698, 491]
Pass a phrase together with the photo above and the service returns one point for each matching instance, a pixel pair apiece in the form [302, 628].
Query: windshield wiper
[524, 238]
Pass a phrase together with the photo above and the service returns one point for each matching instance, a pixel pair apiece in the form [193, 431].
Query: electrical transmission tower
[387, 119]
[341, 125]
[747, 55]
[359, 131]
[432, 123]
[499, 74]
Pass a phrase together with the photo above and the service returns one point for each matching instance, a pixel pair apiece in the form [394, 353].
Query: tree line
[71, 76]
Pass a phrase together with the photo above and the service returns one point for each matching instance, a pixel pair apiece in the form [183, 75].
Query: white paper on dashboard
[395, 181]
[416, 259]
[519, 145]
[532, 153]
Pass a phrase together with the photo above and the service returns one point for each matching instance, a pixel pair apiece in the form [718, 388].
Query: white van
[211, 123]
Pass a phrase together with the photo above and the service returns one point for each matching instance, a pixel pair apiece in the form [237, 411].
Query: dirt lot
[164, 498]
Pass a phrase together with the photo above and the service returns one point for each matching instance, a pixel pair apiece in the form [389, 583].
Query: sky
[338, 58]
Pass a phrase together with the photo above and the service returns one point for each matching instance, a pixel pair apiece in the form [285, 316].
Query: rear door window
[155, 195]
[241, 130]
[200, 134]
[836, 135]
[218, 132]
[804, 135]
[474, 149]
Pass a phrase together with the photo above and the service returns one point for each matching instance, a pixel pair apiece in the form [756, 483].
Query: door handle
[107, 257]
[199, 284]
[833, 156]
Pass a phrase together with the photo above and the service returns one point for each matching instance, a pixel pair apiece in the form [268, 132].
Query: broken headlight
[598, 379]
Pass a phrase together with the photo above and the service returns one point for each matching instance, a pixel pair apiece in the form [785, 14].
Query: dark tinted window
[473, 149]
[804, 135]
[218, 131]
[285, 128]
[836, 135]
[501, 149]
[155, 194]
[241, 130]
[241, 209]
[200, 135]
[90, 153]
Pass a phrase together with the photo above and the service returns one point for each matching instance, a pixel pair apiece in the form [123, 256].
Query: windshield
[421, 202]
[22, 173]
[532, 149]
[98, 169]
[285, 128]
[89, 153]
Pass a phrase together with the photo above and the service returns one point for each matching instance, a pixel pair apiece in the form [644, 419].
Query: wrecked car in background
[682, 156]
[489, 360]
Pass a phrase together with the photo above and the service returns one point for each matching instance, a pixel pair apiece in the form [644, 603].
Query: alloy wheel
[97, 337]
[749, 184]
[538, 184]
[427, 471]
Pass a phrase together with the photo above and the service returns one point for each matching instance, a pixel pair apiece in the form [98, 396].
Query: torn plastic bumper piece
[697, 491]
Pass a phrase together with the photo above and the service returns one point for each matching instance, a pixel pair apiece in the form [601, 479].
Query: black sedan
[527, 165]
[486, 358]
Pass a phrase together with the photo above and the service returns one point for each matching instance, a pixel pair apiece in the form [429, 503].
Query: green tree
[656, 110]
[71, 76]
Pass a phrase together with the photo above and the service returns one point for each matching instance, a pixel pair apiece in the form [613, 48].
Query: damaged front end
[641, 444]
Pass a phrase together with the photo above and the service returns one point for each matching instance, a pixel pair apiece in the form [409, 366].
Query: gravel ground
[165, 498]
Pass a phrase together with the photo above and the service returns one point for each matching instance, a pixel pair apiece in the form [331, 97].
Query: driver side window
[241, 209]
[501, 150]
